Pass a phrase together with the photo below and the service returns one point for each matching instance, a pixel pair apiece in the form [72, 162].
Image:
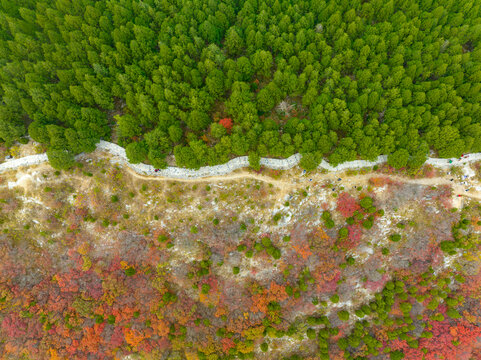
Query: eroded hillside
[99, 262]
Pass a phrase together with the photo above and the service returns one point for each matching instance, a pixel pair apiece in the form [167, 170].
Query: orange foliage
[474, 223]
[237, 325]
[92, 338]
[221, 310]
[303, 250]
[275, 293]
[380, 181]
[321, 234]
[161, 327]
[53, 354]
[133, 337]
[9, 348]
[212, 298]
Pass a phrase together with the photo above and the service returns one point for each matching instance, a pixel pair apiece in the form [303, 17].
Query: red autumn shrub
[441, 346]
[14, 326]
[354, 237]
[347, 205]
[227, 123]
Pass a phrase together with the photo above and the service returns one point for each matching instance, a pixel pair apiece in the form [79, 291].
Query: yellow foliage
[191, 355]
[212, 347]
[53, 354]
[15, 151]
[83, 249]
[245, 348]
[253, 332]
[212, 298]
[87, 264]
[5, 296]
[39, 149]
[220, 311]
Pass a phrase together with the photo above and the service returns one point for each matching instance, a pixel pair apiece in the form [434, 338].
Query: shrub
[343, 343]
[329, 224]
[347, 205]
[366, 202]
[241, 247]
[395, 237]
[162, 238]
[367, 224]
[326, 215]
[343, 232]
[235, 270]
[266, 241]
[359, 313]
[205, 288]
[453, 313]
[60, 159]
[311, 333]
[114, 198]
[274, 252]
[406, 307]
[130, 271]
[396, 355]
[343, 315]
[264, 347]
[334, 298]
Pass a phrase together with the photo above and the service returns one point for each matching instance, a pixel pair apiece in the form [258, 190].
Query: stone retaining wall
[119, 157]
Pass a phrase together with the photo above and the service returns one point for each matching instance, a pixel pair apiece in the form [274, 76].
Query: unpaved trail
[287, 185]
[292, 179]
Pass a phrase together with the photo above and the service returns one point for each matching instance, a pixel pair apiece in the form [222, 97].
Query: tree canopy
[339, 80]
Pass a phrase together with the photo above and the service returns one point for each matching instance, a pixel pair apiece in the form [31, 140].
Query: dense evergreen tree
[343, 80]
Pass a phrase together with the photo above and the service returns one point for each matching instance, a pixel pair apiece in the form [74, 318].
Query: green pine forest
[208, 80]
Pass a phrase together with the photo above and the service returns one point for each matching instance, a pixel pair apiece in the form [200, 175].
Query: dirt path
[293, 179]
[285, 186]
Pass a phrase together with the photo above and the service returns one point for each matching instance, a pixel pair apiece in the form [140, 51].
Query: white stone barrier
[119, 157]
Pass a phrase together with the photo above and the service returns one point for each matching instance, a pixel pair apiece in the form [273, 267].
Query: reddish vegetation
[347, 205]
[227, 123]
[134, 290]
[380, 181]
[442, 344]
